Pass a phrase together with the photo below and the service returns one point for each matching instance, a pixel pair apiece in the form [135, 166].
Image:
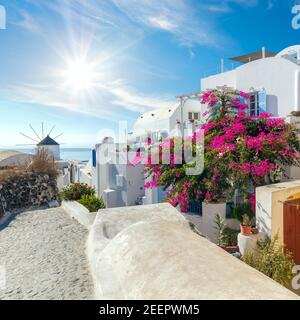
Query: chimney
[263, 52]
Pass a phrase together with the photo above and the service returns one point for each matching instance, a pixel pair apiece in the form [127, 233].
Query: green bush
[92, 203]
[270, 259]
[226, 237]
[76, 191]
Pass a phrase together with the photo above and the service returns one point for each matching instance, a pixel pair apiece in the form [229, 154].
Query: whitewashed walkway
[43, 254]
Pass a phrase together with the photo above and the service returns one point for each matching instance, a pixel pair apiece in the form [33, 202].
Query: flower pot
[246, 230]
[231, 249]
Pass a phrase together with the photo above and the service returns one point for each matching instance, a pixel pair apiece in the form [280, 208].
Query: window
[254, 104]
[194, 115]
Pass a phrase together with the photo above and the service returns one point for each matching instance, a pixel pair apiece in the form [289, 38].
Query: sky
[85, 65]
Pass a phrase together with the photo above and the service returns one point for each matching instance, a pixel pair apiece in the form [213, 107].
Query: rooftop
[48, 142]
[256, 55]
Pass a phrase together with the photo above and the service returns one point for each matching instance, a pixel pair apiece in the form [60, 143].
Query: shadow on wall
[272, 103]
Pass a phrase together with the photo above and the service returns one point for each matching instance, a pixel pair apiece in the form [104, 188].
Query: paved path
[43, 254]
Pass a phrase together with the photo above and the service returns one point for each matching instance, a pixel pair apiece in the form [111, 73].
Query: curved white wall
[150, 253]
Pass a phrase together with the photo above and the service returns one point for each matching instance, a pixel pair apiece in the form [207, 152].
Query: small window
[190, 115]
[196, 116]
[254, 104]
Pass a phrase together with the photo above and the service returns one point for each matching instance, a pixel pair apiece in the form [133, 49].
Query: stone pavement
[43, 255]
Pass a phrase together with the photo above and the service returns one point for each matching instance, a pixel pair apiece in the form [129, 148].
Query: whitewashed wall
[279, 76]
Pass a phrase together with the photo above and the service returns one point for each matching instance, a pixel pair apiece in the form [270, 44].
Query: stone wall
[27, 191]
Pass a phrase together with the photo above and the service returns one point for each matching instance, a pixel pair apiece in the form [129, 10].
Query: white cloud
[162, 22]
[26, 21]
[130, 99]
[106, 101]
[178, 17]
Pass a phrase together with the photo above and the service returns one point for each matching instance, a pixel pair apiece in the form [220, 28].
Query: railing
[228, 66]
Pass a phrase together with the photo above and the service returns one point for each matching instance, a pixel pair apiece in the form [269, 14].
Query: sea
[80, 154]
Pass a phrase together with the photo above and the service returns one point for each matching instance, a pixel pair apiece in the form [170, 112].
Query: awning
[253, 56]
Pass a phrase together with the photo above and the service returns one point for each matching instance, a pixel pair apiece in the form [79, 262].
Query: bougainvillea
[241, 153]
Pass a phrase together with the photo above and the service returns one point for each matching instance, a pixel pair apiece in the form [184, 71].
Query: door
[291, 228]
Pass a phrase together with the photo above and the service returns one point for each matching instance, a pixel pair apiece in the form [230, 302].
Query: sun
[79, 75]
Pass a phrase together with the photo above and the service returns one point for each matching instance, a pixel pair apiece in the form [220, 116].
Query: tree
[242, 152]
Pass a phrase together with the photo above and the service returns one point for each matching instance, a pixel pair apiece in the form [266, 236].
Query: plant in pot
[245, 215]
[246, 228]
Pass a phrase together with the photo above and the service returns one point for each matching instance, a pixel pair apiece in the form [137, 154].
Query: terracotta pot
[246, 230]
[232, 249]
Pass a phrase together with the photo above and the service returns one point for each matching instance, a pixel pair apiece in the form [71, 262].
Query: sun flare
[80, 75]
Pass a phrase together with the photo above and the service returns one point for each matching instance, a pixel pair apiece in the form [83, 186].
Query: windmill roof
[48, 142]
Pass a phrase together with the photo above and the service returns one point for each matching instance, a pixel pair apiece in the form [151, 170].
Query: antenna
[43, 130]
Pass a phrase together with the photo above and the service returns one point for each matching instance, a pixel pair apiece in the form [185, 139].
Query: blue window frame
[195, 207]
[94, 157]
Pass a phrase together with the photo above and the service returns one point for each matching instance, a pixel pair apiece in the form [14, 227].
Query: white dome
[289, 50]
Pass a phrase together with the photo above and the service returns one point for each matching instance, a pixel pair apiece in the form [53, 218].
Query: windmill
[45, 142]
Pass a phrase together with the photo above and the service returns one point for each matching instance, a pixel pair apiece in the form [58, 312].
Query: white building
[164, 122]
[273, 80]
[119, 183]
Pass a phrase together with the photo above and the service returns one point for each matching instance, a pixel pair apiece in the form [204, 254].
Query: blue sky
[140, 53]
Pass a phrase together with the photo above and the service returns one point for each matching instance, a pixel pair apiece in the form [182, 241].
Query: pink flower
[244, 95]
[265, 115]
[208, 196]
[209, 98]
[252, 201]
[237, 104]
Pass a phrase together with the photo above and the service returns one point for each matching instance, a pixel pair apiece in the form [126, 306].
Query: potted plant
[246, 228]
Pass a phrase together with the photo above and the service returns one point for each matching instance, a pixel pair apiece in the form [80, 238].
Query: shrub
[241, 152]
[76, 191]
[270, 259]
[92, 203]
[226, 237]
[43, 163]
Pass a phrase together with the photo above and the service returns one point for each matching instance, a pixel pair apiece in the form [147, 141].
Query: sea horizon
[69, 153]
